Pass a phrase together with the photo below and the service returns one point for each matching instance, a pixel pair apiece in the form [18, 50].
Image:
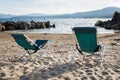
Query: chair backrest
[87, 39]
[22, 41]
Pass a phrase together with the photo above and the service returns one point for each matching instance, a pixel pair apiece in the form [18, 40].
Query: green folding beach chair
[30, 46]
[87, 41]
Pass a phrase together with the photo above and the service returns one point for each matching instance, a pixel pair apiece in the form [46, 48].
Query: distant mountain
[36, 14]
[102, 13]
[6, 15]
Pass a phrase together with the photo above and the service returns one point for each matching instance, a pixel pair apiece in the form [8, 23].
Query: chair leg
[41, 55]
[23, 56]
[44, 51]
[102, 55]
[75, 53]
[36, 54]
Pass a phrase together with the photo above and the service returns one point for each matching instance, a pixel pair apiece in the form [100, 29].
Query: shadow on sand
[54, 71]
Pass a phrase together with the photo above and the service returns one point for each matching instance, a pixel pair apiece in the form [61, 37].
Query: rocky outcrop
[114, 23]
[22, 25]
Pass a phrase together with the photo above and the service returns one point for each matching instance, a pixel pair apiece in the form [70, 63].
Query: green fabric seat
[87, 41]
[21, 40]
[30, 46]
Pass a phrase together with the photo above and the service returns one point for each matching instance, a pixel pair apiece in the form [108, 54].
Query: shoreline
[55, 66]
[50, 31]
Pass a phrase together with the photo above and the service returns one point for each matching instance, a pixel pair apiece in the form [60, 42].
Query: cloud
[54, 6]
[116, 4]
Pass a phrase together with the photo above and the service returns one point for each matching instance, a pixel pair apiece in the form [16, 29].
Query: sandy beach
[56, 64]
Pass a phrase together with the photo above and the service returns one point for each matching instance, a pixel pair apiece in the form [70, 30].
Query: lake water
[64, 25]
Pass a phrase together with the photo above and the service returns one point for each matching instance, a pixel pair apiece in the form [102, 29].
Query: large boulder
[116, 17]
[100, 23]
[10, 25]
[32, 24]
[48, 25]
[2, 27]
[116, 26]
[23, 25]
[39, 25]
[42, 25]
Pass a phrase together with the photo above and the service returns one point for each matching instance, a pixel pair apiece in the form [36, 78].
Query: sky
[22, 7]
